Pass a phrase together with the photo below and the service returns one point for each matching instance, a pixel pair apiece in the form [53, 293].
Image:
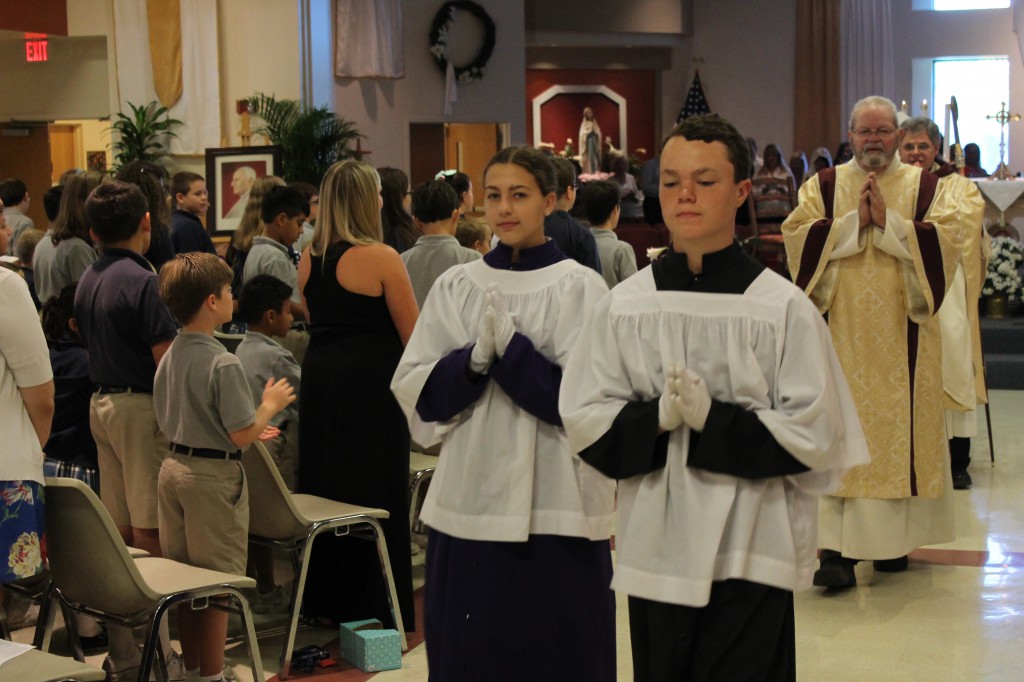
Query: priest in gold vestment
[963, 377]
[876, 244]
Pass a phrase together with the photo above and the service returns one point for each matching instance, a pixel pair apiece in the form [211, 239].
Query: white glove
[694, 399]
[482, 355]
[504, 323]
[670, 415]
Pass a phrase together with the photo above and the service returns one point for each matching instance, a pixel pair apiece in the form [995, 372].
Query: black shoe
[962, 480]
[835, 571]
[892, 565]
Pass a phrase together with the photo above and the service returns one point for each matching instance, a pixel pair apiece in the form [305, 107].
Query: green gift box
[370, 648]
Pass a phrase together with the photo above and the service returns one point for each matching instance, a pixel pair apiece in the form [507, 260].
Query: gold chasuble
[976, 249]
[880, 289]
[165, 48]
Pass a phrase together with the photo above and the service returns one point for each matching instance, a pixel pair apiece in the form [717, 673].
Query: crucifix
[1002, 117]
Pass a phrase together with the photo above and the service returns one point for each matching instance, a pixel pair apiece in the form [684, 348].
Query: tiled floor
[956, 614]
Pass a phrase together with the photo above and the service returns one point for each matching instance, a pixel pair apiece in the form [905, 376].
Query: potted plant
[312, 139]
[144, 135]
[1002, 280]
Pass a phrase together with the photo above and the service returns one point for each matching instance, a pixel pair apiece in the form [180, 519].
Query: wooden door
[468, 148]
[25, 154]
[64, 144]
[426, 149]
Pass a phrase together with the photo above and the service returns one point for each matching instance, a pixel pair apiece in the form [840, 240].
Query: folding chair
[291, 522]
[36, 666]
[94, 574]
[421, 470]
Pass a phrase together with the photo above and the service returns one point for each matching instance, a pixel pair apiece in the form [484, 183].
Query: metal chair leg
[298, 589]
[385, 564]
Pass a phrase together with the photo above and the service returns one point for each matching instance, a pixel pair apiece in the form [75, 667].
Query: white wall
[383, 109]
[749, 64]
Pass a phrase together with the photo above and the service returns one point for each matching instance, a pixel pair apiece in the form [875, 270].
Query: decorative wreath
[444, 18]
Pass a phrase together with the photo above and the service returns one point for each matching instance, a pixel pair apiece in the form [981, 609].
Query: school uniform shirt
[188, 234]
[739, 499]
[617, 259]
[263, 358]
[121, 317]
[430, 257]
[268, 257]
[506, 470]
[200, 394]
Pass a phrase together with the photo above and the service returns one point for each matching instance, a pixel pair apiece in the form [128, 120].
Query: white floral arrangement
[1003, 276]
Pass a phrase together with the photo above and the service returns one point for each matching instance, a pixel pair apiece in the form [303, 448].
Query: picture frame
[230, 172]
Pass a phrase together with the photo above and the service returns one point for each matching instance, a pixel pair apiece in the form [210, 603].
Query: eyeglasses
[919, 147]
[876, 132]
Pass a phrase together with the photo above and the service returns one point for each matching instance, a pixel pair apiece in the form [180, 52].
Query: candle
[903, 105]
[924, 107]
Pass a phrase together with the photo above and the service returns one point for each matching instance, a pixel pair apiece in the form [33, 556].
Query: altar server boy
[709, 387]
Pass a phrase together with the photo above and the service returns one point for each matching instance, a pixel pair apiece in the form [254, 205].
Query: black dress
[353, 445]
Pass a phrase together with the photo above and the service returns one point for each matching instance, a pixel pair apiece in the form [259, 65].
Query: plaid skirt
[22, 536]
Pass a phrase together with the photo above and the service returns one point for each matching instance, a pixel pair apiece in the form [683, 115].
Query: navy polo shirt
[188, 234]
[121, 317]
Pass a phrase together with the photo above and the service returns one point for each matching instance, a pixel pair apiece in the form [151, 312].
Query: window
[980, 85]
[949, 5]
[954, 5]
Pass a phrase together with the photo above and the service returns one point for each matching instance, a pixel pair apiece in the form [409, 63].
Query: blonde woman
[353, 437]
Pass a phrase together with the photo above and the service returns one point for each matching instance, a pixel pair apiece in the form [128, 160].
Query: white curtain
[865, 44]
[368, 39]
[1018, 24]
[199, 105]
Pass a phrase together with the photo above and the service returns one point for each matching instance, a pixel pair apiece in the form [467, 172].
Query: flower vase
[996, 307]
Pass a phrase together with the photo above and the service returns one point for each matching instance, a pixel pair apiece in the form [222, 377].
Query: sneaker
[962, 480]
[175, 667]
[277, 600]
[130, 672]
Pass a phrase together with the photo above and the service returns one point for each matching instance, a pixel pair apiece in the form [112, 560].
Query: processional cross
[1002, 117]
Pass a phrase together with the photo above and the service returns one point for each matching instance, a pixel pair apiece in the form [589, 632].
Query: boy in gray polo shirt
[204, 407]
[284, 209]
[601, 202]
[263, 305]
[435, 208]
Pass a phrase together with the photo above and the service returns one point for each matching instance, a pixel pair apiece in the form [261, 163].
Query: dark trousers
[652, 210]
[746, 632]
[959, 453]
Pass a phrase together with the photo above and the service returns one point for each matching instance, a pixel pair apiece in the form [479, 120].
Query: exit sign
[35, 51]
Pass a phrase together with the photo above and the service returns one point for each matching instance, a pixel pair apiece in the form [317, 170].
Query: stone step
[1005, 370]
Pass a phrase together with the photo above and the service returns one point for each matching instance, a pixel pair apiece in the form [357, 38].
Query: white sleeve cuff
[849, 241]
[893, 239]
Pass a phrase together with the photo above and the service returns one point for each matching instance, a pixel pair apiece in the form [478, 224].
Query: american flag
[696, 104]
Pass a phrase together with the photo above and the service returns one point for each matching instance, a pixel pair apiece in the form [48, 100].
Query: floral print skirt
[22, 536]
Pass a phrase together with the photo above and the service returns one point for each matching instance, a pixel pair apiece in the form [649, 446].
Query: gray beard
[874, 160]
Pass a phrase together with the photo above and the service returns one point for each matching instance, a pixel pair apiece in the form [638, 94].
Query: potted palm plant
[311, 138]
[144, 135]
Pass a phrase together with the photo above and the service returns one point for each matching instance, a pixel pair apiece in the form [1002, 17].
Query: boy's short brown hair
[470, 230]
[188, 279]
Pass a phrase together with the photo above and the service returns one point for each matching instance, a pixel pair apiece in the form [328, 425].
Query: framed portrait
[230, 174]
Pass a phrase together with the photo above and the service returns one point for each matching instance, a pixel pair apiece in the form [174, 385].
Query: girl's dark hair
[57, 312]
[533, 161]
[71, 219]
[458, 181]
[399, 229]
[150, 178]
